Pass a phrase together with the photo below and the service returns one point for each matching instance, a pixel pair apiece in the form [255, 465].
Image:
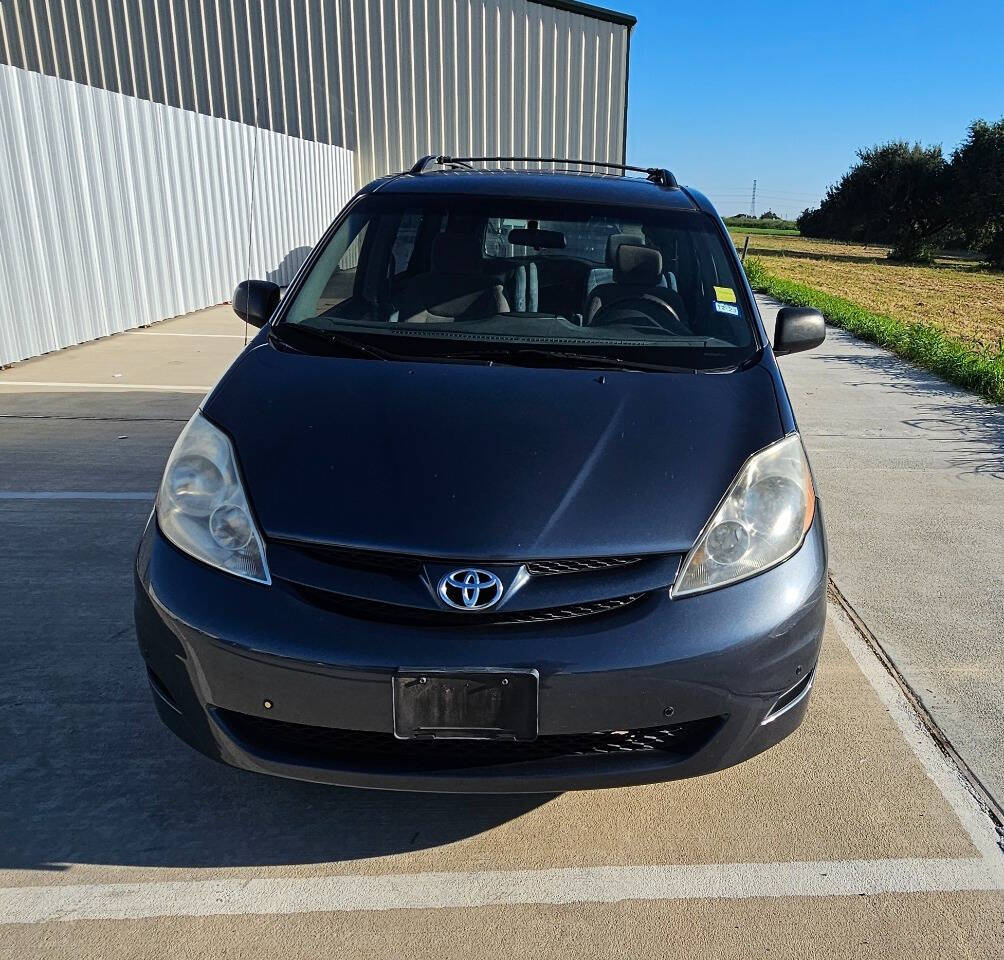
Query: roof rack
[658, 175]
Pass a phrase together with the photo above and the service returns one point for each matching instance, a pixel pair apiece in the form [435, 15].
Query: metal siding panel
[23, 37]
[64, 43]
[117, 212]
[391, 79]
[386, 101]
[314, 91]
[345, 65]
[241, 83]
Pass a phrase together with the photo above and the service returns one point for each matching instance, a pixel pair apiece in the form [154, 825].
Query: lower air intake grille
[295, 742]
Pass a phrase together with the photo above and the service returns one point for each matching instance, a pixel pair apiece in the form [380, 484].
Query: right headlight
[202, 508]
[760, 522]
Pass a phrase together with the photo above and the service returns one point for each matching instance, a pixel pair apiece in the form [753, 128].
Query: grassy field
[739, 233]
[954, 295]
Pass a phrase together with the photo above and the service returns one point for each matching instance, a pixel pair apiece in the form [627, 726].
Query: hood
[475, 462]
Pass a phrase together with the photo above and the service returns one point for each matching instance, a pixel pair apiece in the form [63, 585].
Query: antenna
[753, 201]
[254, 170]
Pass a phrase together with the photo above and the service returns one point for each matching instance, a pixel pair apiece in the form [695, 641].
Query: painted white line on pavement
[236, 896]
[212, 336]
[431, 891]
[942, 772]
[74, 495]
[161, 387]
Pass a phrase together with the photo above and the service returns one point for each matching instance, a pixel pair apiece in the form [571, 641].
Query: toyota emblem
[470, 589]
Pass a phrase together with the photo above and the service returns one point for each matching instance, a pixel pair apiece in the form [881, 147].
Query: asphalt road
[854, 838]
[911, 472]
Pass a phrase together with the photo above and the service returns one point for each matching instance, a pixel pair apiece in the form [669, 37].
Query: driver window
[333, 279]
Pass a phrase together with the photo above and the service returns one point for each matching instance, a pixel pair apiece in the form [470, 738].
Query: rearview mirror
[798, 328]
[538, 239]
[255, 301]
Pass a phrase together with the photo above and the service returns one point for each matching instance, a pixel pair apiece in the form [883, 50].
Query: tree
[770, 215]
[894, 194]
[977, 189]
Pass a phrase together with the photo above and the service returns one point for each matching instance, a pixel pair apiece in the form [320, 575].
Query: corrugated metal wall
[126, 127]
[390, 79]
[116, 212]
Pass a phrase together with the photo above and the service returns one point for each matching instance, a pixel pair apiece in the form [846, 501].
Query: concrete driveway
[855, 838]
[911, 470]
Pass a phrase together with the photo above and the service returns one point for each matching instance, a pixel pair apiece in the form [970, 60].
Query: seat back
[455, 288]
[601, 275]
[637, 272]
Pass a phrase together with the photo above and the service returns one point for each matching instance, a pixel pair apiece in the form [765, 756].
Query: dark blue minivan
[506, 495]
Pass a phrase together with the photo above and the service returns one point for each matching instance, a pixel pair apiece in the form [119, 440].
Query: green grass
[763, 232]
[969, 364]
[741, 223]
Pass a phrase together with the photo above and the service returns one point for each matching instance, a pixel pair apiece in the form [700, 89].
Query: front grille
[545, 568]
[296, 742]
[403, 563]
[360, 559]
[394, 613]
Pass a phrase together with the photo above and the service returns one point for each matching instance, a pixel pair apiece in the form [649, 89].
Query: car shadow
[102, 782]
[90, 776]
[286, 269]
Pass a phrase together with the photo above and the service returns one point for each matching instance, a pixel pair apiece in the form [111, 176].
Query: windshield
[507, 275]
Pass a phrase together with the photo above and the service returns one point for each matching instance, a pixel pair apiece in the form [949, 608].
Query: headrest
[456, 253]
[615, 240]
[641, 266]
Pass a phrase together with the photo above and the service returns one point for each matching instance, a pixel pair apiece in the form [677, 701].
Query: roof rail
[427, 161]
[658, 175]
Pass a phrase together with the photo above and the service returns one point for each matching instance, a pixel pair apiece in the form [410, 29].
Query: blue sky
[786, 92]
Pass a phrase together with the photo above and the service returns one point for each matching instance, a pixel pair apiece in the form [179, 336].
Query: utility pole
[753, 201]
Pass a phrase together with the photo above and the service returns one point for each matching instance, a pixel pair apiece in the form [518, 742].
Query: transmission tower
[753, 201]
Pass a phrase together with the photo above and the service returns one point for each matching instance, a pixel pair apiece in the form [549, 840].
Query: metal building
[131, 128]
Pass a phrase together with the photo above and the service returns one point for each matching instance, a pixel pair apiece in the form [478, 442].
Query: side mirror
[255, 301]
[798, 328]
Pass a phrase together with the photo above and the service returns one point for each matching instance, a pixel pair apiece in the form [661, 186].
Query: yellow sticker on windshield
[725, 294]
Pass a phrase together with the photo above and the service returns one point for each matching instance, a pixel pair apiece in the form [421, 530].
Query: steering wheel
[655, 313]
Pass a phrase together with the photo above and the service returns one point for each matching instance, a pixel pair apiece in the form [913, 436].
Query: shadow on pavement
[974, 427]
[89, 774]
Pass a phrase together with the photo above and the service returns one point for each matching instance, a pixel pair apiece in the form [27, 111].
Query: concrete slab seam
[939, 767]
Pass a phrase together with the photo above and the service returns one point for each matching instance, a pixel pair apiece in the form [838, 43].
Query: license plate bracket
[465, 704]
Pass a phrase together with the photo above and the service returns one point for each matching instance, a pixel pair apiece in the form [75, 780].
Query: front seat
[455, 288]
[601, 275]
[637, 274]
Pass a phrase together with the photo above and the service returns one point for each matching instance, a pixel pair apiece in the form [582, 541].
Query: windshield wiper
[559, 358]
[332, 337]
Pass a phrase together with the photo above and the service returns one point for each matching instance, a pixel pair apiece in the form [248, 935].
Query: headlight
[760, 522]
[201, 506]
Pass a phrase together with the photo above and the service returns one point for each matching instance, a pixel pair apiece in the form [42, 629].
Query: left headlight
[201, 506]
[760, 522]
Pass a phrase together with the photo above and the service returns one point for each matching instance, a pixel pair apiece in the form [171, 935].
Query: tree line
[917, 200]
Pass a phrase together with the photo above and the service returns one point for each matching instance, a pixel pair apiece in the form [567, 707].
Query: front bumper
[704, 671]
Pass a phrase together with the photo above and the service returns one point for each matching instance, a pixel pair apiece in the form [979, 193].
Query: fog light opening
[791, 698]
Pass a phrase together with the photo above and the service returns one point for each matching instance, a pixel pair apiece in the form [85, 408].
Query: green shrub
[975, 366]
